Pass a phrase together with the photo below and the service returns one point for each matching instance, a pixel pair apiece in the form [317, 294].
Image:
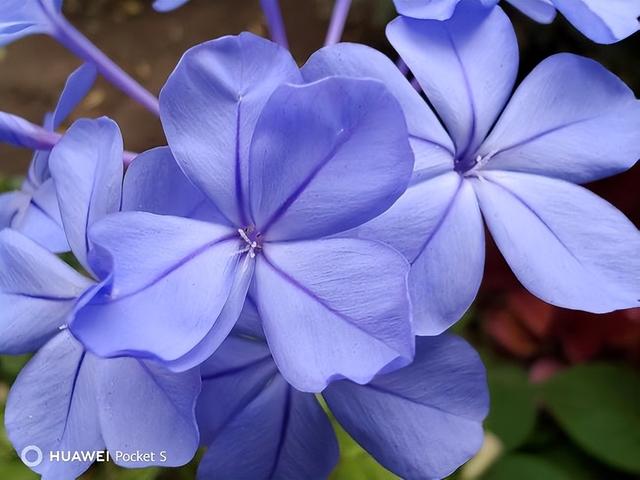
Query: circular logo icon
[31, 456]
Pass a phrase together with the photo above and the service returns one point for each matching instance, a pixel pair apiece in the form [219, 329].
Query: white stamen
[251, 245]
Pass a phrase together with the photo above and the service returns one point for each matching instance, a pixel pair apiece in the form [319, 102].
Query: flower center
[465, 166]
[252, 241]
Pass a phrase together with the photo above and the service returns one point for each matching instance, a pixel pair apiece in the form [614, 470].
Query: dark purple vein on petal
[238, 168]
[472, 130]
[246, 400]
[441, 221]
[284, 430]
[532, 210]
[384, 391]
[72, 394]
[183, 261]
[544, 133]
[49, 298]
[295, 283]
[343, 137]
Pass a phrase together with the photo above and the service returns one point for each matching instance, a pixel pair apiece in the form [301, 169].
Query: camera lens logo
[31, 456]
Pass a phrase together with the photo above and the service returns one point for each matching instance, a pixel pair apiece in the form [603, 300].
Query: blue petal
[52, 406]
[429, 10]
[37, 293]
[241, 368]
[249, 323]
[437, 226]
[602, 22]
[541, 11]
[156, 260]
[566, 245]
[168, 5]
[425, 420]
[145, 408]
[12, 204]
[19, 132]
[76, 88]
[326, 157]
[154, 183]
[209, 130]
[261, 428]
[19, 18]
[431, 144]
[41, 219]
[86, 166]
[466, 65]
[570, 119]
[334, 308]
[432, 9]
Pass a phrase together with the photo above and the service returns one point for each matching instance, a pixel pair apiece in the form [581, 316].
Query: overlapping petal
[566, 245]
[570, 119]
[422, 421]
[431, 144]
[86, 166]
[37, 293]
[75, 90]
[41, 220]
[209, 108]
[542, 11]
[437, 226]
[602, 22]
[432, 9]
[67, 401]
[154, 183]
[262, 428]
[466, 65]
[19, 18]
[154, 260]
[346, 313]
[52, 406]
[145, 408]
[326, 157]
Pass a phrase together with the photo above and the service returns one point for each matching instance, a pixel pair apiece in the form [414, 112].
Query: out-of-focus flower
[570, 121]
[603, 21]
[530, 329]
[167, 5]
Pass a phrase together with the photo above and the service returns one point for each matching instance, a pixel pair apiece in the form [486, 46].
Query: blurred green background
[565, 385]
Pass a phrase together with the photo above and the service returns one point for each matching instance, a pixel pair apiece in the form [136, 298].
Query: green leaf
[16, 471]
[512, 415]
[355, 463]
[598, 406]
[524, 467]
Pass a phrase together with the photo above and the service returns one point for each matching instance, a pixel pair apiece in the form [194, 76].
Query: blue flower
[570, 121]
[420, 422]
[33, 210]
[281, 167]
[602, 21]
[167, 5]
[66, 398]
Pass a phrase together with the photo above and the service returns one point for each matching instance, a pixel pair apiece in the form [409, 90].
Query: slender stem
[19, 132]
[338, 20]
[271, 9]
[81, 46]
